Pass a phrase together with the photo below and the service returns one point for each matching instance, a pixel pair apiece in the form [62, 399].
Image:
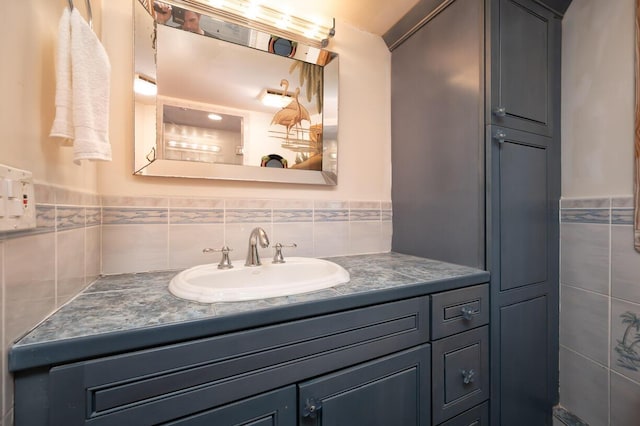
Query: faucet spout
[258, 236]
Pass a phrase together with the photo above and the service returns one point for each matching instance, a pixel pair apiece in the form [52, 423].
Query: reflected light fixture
[275, 98]
[193, 146]
[144, 85]
[214, 117]
[261, 16]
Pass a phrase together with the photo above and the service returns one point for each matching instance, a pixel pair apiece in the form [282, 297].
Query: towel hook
[88, 11]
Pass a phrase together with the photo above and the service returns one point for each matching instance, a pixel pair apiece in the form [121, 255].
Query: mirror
[229, 102]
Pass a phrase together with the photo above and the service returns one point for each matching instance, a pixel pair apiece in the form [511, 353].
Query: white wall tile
[70, 264]
[186, 243]
[93, 247]
[585, 256]
[625, 339]
[331, 239]
[299, 233]
[30, 268]
[134, 248]
[365, 237]
[584, 319]
[584, 387]
[625, 264]
[625, 401]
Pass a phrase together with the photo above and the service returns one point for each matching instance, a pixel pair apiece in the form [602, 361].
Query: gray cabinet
[523, 44]
[277, 408]
[476, 172]
[371, 365]
[387, 391]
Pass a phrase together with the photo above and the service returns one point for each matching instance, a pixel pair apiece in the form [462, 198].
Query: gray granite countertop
[140, 307]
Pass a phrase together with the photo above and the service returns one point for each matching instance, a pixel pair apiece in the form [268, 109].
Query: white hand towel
[90, 78]
[63, 123]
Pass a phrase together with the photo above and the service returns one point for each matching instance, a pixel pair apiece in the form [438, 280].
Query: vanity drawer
[459, 310]
[477, 416]
[162, 384]
[460, 373]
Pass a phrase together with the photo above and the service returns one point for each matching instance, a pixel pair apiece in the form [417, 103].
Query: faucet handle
[278, 258]
[225, 262]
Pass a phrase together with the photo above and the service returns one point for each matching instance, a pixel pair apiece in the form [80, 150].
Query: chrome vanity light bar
[315, 32]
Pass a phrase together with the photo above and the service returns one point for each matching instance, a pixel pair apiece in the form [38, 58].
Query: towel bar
[88, 11]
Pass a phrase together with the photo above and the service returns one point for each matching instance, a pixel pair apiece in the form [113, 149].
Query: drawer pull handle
[467, 376]
[311, 408]
[467, 312]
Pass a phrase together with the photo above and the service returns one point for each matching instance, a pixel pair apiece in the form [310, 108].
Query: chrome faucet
[258, 235]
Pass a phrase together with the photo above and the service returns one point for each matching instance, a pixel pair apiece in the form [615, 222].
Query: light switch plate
[17, 203]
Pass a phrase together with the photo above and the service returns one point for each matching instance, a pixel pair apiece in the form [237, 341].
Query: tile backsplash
[80, 236]
[169, 233]
[599, 311]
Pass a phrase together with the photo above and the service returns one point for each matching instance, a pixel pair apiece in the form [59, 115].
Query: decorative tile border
[62, 209]
[247, 215]
[70, 217]
[622, 216]
[585, 216]
[94, 216]
[614, 210]
[331, 215]
[364, 215]
[134, 216]
[189, 216]
[292, 215]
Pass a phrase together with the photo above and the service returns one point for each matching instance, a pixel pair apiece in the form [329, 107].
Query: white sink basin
[208, 284]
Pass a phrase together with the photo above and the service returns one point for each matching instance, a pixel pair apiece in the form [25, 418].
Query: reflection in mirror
[274, 100]
[200, 135]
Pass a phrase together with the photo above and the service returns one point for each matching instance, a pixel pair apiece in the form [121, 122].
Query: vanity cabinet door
[393, 390]
[277, 408]
[524, 53]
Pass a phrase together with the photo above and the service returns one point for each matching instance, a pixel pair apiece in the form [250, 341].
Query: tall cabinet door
[523, 87]
[524, 261]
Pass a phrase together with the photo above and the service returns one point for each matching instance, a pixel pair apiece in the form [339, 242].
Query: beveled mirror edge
[216, 171]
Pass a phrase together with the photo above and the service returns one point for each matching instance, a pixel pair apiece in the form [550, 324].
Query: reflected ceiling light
[214, 117]
[144, 85]
[193, 146]
[275, 98]
[263, 17]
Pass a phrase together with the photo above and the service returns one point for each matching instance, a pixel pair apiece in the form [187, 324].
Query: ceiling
[374, 16]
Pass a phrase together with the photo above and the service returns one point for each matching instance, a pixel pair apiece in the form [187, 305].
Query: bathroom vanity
[405, 342]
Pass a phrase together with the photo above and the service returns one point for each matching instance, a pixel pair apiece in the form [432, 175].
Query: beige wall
[597, 97]
[364, 123]
[27, 48]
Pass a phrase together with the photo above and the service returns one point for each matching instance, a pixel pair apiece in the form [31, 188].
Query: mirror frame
[201, 170]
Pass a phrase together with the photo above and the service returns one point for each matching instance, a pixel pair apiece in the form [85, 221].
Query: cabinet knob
[500, 111]
[311, 408]
[467, 312]
[500, 136]
[467, 376]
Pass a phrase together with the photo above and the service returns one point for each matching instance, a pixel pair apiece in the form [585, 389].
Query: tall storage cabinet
[476, 172]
